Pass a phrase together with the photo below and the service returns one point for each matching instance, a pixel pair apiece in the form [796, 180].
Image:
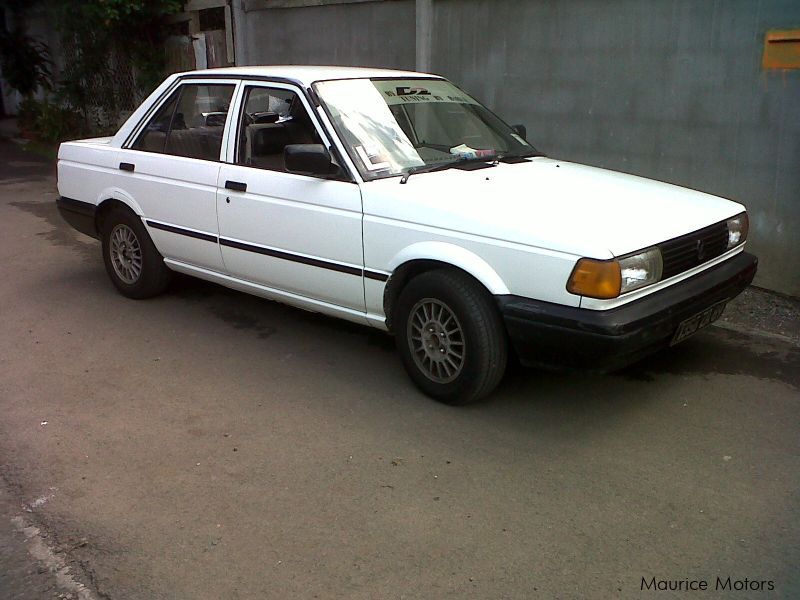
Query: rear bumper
[545, 334]
[81, 215]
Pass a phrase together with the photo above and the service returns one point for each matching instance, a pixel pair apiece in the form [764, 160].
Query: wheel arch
[109, 198]
[427, 256]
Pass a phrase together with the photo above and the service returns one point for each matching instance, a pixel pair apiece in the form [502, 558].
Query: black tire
[153, 275]
[482, 340]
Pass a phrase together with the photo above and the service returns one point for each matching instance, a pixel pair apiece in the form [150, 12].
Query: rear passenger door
[170, 169]
[296, 234]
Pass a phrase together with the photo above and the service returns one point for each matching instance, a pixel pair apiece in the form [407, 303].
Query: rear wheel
[132, 262]
[450, 336]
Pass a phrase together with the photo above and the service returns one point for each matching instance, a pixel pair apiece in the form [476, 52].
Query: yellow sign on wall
[782, 49]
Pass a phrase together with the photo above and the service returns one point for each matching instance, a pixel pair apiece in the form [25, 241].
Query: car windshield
[396, 126]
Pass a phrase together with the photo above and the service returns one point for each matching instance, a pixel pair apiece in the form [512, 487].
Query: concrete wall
[668, 89]
[671, 90]
[369, 34]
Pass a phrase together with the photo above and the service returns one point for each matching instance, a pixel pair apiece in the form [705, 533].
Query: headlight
[606, 279]
[640, 269]
[737, 229]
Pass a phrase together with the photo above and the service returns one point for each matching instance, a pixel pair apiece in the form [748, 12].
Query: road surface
[209, 444]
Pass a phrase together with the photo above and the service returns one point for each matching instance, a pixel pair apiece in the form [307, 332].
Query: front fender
[453, 255]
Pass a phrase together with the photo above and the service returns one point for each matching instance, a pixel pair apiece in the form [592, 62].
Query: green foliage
[117, 51]
[136, 26]
[49, 121]
[121, 12]
[25, 62]
[115, 55]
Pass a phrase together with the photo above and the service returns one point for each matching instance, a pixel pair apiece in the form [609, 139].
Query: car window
[437, 124]
[272, 118]
[191, 123]
[154, 136]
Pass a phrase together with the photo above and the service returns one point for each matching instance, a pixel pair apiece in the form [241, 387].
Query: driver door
[296, 234]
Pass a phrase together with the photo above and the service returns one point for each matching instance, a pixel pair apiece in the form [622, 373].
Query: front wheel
[450, 337]
[132, 262]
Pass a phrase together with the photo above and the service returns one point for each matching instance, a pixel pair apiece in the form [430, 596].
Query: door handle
[126, 166]
[236, 185]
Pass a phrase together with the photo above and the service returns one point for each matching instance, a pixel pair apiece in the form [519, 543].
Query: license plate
[694, 324]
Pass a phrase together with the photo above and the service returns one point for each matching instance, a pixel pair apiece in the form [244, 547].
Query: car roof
[306, 74]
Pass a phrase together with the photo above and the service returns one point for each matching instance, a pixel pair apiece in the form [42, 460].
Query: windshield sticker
[410, 91]
[423, 96]
[369, 159]
[414, 92]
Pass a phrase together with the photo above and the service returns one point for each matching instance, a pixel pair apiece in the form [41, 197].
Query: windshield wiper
[518, 157]
[448, 165]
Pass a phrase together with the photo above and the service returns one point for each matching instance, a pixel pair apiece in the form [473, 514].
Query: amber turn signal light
[596, 279]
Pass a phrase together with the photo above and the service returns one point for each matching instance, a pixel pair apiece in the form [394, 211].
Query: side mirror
[521, 131]
[309, 159]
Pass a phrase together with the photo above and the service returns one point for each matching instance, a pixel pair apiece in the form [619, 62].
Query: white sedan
[396, 200]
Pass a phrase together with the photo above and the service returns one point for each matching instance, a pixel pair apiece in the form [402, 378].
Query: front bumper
[552, 335]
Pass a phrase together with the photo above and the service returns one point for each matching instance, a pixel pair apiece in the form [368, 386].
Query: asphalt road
[209, 444]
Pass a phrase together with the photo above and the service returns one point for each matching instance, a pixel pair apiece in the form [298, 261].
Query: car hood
[549, 204]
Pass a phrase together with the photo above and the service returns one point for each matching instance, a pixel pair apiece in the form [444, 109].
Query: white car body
[332, 246]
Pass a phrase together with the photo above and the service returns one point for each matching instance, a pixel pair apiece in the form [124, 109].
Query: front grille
[693, 249]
